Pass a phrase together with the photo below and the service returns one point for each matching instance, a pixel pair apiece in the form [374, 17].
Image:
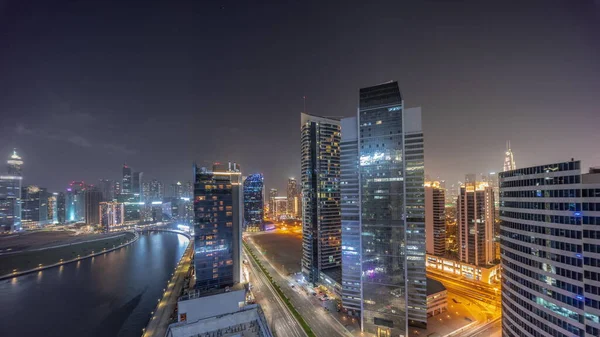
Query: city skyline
[82, 110]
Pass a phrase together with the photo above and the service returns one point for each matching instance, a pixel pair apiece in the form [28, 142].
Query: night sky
[86, 86]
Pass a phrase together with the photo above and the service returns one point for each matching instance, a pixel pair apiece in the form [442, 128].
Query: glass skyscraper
[217, 226]
[390, 195]
[550, 251]
[127, 185]
[10, 195]
[320, 181]
[254, 202]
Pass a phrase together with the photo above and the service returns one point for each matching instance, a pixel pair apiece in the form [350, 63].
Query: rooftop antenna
[304, 99]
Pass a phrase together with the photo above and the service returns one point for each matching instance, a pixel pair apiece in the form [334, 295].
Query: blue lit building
[550, 251]
[217, 226]
[383, 211]
[10, 195]
[254, 188]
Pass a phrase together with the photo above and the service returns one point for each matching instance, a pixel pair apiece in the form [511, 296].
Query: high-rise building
[107, 187]
[509, 160]
[136, 185]
[53, 208]
[253, 202]
[127, 185]
[320, 181]
[117, 189]
[61, 210]
[550, 244]
[156, 190]
[383, 275]
[272, 195]
[93, 197]
[435, 218]
[75, 202]
[14, 165]
[280, 205]
[218, 218]
[475, 220]
[10, 195]
[34, 207]
[293, 200]
[111, 215]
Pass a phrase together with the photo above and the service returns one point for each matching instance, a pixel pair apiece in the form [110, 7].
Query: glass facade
[475, 220]
[217, 226]
[550, 251]
[391, 172]
[126, 187]
[254, 188]
[320, 180]
[34, 207]
[10, 203]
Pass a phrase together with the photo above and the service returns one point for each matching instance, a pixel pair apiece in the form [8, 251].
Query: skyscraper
[107, 187]
[272, 195]
[156, 190]
[111, 215]
[126, 187]
[253, 202]
[320, 181]
[34, 207]
[136, 184]
[550, 247]
[53, 208]
[435, 218]
[383, 213]
[93, 197]
[10, 195]
[475, 221]
[509, 160]
[292, 198]
[218, 220]
[15, 164]
[61, 209]
[75, 202]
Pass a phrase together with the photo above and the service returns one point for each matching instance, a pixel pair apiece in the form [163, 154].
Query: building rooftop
[195, 293]
[247, 322]
[434, 287]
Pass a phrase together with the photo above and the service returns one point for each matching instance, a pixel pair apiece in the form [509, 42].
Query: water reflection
[109, 296]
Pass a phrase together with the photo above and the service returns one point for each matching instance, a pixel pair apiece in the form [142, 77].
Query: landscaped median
[281, 295]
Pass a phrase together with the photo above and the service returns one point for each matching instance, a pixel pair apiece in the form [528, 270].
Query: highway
[278, 316]
[476, 291]
[320, 321]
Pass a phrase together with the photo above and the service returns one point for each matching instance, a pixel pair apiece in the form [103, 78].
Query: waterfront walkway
[161, 318]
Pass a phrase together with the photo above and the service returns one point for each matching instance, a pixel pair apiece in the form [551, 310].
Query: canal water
[107, 295]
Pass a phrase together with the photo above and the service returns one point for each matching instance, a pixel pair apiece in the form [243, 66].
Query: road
[320, 320]
[278, 316]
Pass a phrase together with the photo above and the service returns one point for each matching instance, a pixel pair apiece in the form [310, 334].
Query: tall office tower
[435, 218]
[136, 184]
[176, 190]
[189, 190]
[292, 197]
[75, 201]
[117, 189]
[281, 207]
[392, 225]
[350, 208]
[218, 202]
[550, 247]
[61, 209]
[254, 187]
[146, 191]
[14, 165]
[93, 197]
[126, 186]
[34, 207]
[509, 160]
[475, 221]
[156, 190]
[320, 182]
[107, 187]
[272, 195]
[53, 208]
[111, 215]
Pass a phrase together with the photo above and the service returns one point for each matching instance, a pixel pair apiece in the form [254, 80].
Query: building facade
[10, 195]
[272, 195]
[111, 215]
[254, 191]
[475, 220]
[320, 181]
[293, 200]
[509, 159]
[550, 248]
[53, 208]
[435, 218]
[34, 207]
[93, 197]
[218, 219]
[126, 185]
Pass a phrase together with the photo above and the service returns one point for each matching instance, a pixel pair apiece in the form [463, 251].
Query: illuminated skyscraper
[156, 190]
[320, 182]
[75, 202]
[61, 208]
[107, 187]
[272, 195]
[435, 218]
[15, 164]
[509, 160]
[53, 208]
[253, 202]
[93, 197]
[136, 185]
[475, 221]
[218, 218]
[383, 275]
[293, 200]
[550, 251]
[34, 207]
[111, 215]
[126, 187]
